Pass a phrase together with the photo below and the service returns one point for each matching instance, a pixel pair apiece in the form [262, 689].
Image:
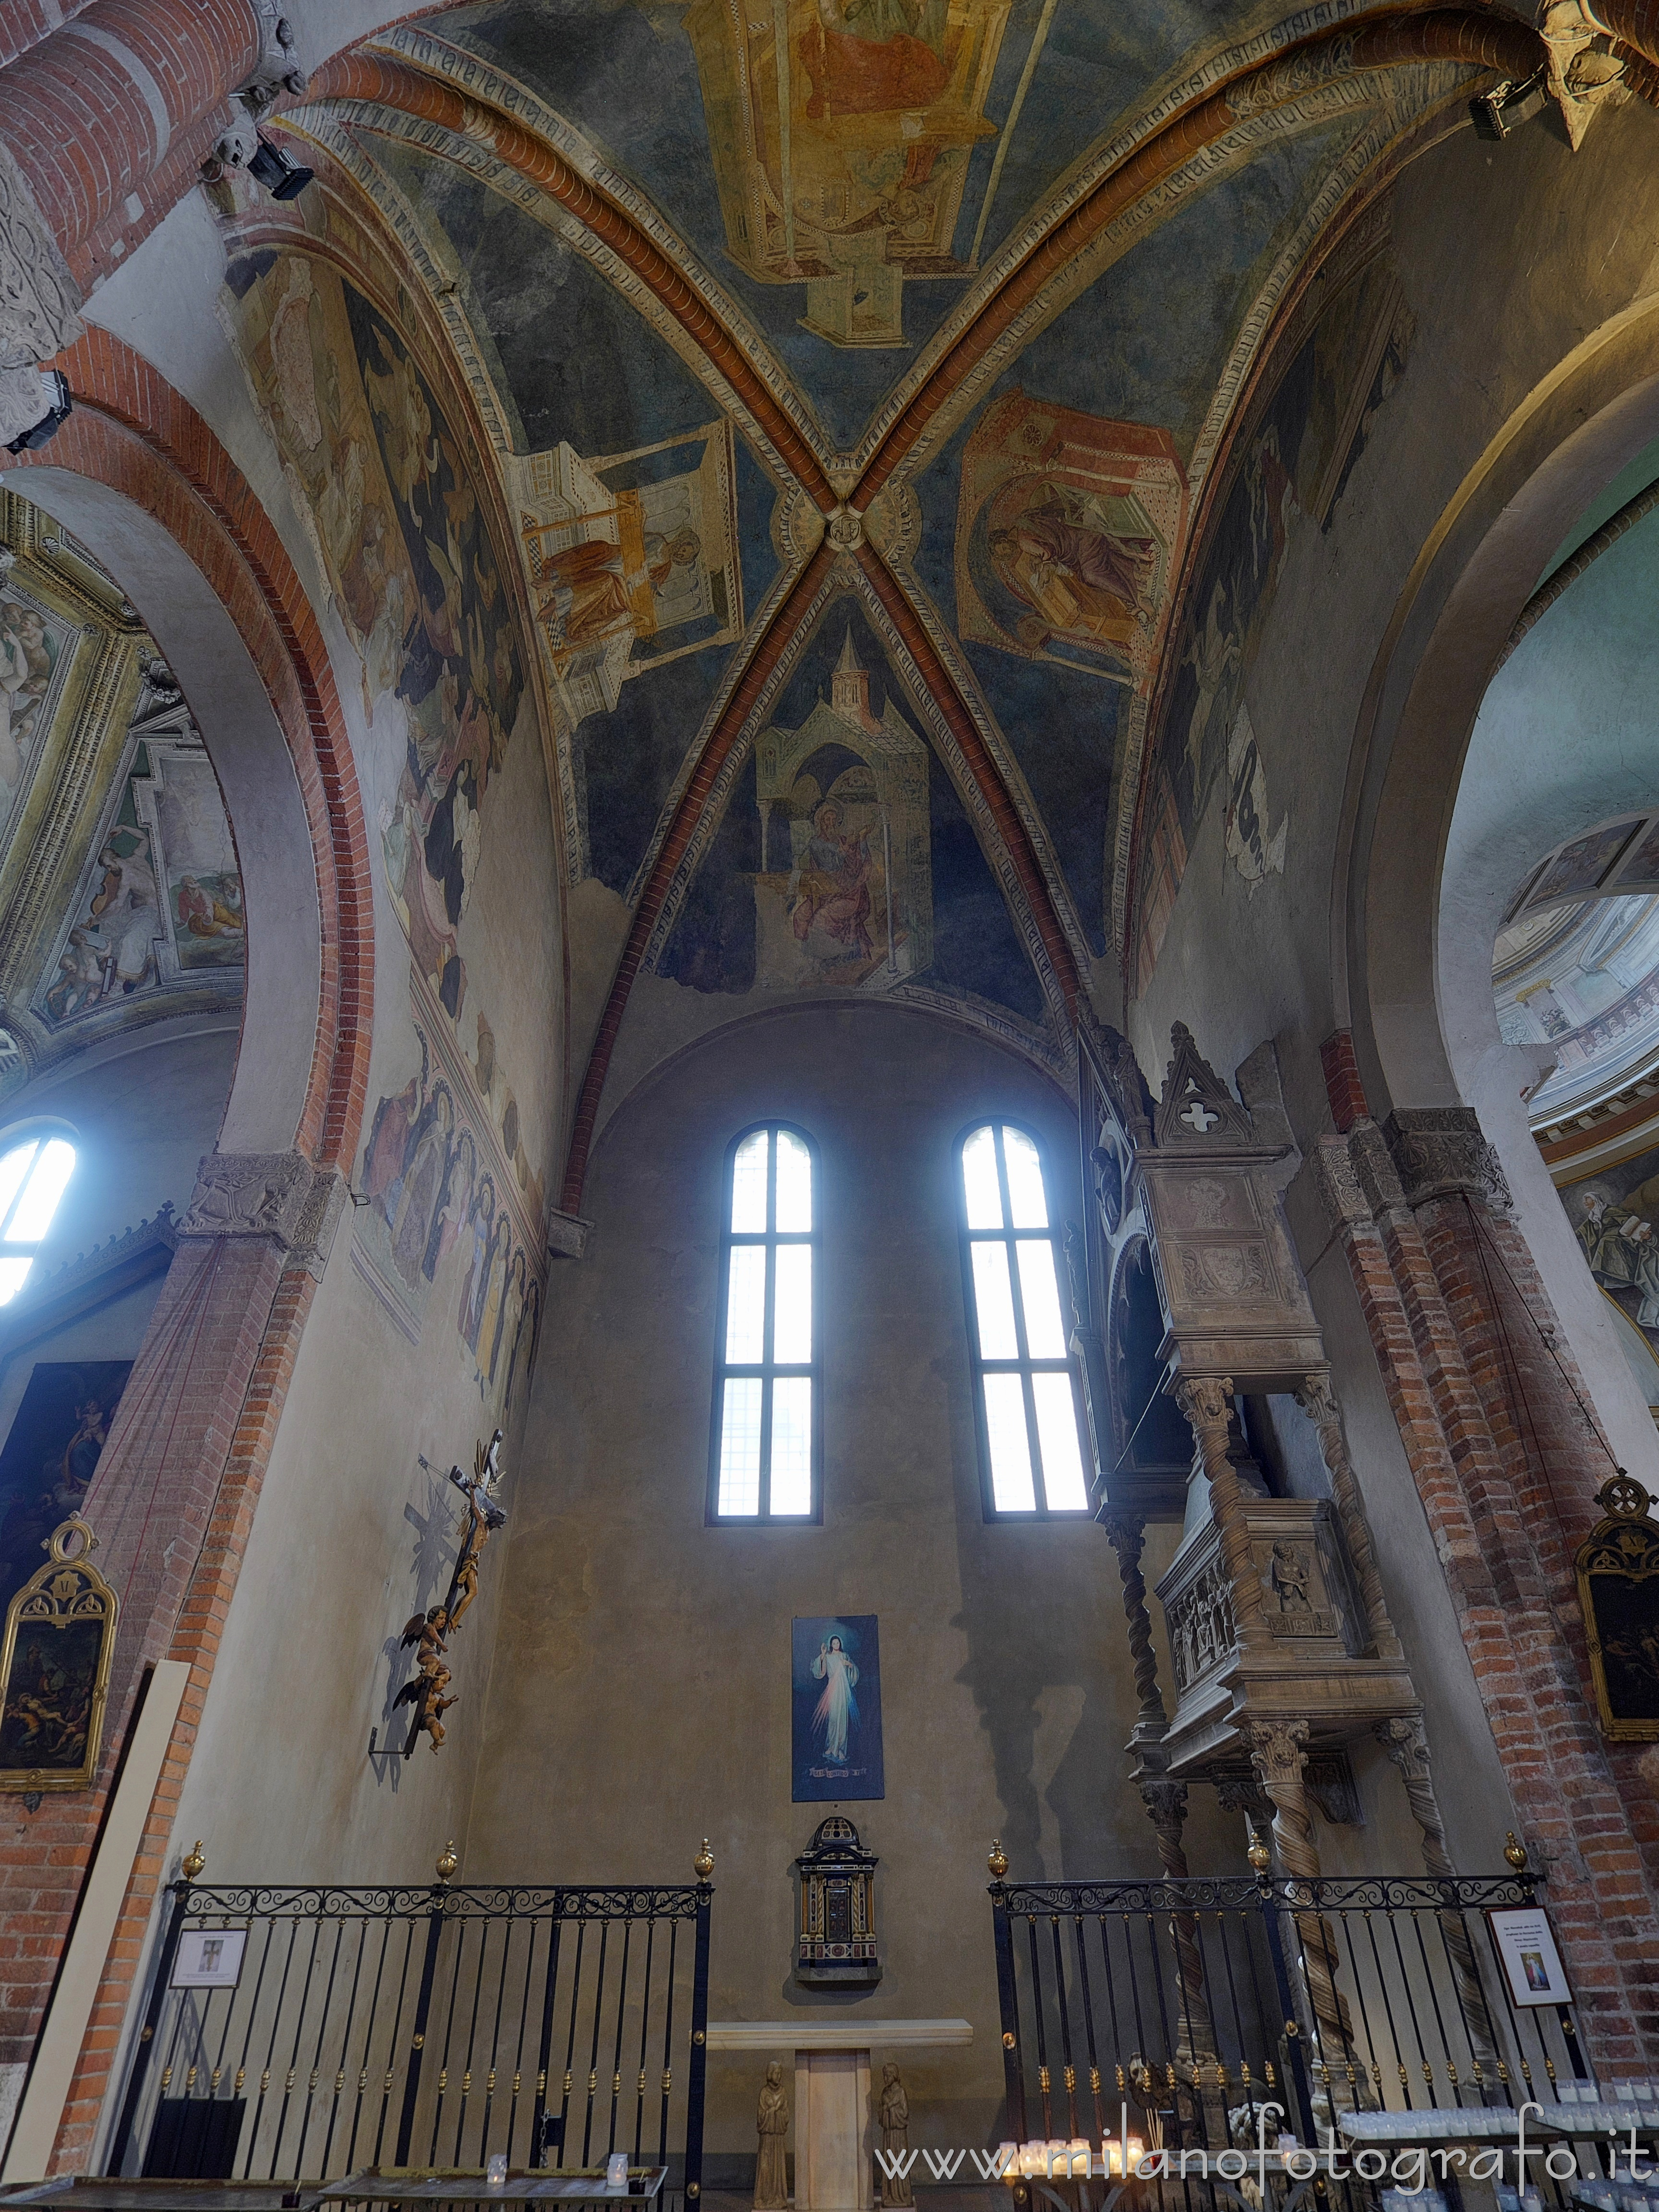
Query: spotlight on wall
[1508, 105]
[59, 406]
[282, 177]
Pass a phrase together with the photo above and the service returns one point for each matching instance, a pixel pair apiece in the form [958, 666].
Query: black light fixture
[1497, 112]
[282, 177]
[59, 406]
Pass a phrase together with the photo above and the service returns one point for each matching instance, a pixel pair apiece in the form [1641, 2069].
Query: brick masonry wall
[111, 116]
[1506, 1470]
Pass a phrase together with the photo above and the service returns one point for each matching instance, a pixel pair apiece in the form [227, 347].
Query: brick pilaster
[172, 1505]
[1503, 1545]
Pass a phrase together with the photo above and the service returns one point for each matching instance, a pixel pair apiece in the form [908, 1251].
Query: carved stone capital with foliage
[1206, 1400]
[1441, 1152]
[1278, 1751]
[1402, 1738]
[1166, 1802]
[40, 301]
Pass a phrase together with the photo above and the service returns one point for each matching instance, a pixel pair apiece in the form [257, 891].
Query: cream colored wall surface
[640, 1697]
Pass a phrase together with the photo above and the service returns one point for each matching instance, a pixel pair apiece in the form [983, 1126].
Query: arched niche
[1152, 1439]
[1437, 837]
[1477, 570]
[249, 754]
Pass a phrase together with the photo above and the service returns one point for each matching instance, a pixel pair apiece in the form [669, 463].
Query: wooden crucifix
[429, 1632]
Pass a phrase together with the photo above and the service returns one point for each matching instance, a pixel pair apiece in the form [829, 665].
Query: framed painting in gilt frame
[1617, 1567]
[54, 1668]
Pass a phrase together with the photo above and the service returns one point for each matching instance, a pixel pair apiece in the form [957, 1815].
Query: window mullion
[1024, 1342]
[769, 1368]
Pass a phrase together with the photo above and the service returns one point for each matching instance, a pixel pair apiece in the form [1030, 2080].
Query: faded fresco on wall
[159, 907]
[375, 464]
[445, 1219]
[1615, 1217]
[845, 861]
[36, 646]
[1066, 525]
[378, 468]
[1295, 463]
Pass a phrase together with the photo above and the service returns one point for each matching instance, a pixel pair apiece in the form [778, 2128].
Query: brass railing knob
[1260, 1856]
[448, 1862]
[704, 1865]
[1516, 1852]
[997, 1860]
[190, 1865]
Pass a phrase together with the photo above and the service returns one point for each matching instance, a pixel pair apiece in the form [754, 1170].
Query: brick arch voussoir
[132, 431]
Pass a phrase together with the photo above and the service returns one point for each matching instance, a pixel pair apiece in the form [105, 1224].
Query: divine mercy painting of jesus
[835, 1697]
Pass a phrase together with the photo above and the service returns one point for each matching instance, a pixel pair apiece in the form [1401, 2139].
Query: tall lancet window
[765, 1459]
[33, 1173]
[1030, 1432]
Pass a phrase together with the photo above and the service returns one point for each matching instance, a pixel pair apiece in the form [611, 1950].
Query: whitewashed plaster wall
[640, 1695]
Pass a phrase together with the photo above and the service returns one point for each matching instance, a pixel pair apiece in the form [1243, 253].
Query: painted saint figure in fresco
[838, 1708]
[871, 56]
[829, 889]
[1615, 1215]
[128, 913]
[25, 673]
[1080, 566]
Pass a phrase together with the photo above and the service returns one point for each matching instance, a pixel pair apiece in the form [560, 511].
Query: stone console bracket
[281, 1195]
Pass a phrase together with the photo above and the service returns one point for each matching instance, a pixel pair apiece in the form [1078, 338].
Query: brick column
[172, 1505]
[105, 121]
[1495, 1510]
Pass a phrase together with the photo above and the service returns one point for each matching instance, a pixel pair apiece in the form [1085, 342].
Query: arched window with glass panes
[1026, 1399]
[35, 1165]
[765, 1459]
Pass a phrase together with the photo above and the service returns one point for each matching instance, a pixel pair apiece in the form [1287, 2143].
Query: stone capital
[1442, 1152]
[1403, 1739]
[40, 300]
[281, 1195]
[1278, 1750]
[1206, 1400]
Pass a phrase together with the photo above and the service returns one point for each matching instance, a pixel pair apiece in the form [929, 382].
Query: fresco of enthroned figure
[1064, 533]
[840, 148]
[629, 574]
[844, 895]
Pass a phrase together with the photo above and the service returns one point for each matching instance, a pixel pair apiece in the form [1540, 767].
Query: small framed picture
[1526, 1949]
[208, 1959]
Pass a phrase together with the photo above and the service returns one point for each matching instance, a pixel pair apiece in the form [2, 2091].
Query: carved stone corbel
[276, 74]
[1583, 72]
[281, 1195]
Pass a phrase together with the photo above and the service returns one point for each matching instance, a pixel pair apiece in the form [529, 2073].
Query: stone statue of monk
[894, 2114]
[772, 2122]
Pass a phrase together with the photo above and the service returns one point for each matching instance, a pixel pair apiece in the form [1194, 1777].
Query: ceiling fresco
[120, 894]
[973, 344]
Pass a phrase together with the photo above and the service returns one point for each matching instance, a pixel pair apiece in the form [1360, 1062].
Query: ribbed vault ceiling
[970, 344]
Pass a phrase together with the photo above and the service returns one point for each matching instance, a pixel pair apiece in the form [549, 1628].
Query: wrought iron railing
[1183, 2006]
[429, 2024]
